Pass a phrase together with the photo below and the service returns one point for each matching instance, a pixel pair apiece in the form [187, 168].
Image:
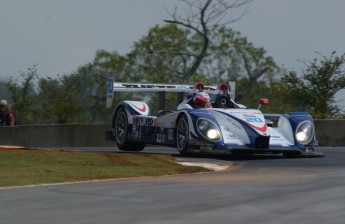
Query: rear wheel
[121, 129]
[182, 134]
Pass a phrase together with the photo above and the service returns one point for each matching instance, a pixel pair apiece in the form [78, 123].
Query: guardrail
[329, 133]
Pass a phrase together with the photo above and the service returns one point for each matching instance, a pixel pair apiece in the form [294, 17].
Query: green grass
[27, 167]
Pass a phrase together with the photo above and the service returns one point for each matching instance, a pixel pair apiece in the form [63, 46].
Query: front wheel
[121, 130]
[182, 134]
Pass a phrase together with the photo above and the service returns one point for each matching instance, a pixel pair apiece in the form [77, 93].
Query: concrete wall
[83, 135]
[329, 133]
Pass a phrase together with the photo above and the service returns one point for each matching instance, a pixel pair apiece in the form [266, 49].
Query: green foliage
[53, 101]
[233, 57]
[92, 83]
[163, 55]
[314, 88]
[57, 103]
[23, 95]
[274, 91]
[166, 54]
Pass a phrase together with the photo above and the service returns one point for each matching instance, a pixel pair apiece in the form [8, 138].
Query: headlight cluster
[208, 129]
[305, 132]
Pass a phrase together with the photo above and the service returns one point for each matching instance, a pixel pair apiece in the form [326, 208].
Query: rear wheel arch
[121, 129]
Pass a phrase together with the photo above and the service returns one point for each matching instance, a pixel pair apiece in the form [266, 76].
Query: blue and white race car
[209, 124]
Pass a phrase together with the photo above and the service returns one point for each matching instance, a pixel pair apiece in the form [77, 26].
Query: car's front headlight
[208, 129]
[305, 132]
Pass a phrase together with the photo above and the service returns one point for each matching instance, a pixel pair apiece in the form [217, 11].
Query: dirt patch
[159, 158]
[118, 159]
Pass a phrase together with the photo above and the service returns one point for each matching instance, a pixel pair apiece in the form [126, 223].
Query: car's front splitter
[294, 152]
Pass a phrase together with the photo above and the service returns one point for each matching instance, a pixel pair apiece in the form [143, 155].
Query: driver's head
[202, 100]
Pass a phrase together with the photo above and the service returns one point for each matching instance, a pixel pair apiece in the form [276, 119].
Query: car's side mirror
[263, 102]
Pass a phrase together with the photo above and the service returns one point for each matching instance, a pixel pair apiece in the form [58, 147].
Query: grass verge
[26, 167]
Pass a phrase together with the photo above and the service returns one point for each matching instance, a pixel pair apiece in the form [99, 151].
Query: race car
[209, 124]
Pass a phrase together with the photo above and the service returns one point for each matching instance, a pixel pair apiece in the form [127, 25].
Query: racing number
[254, 119]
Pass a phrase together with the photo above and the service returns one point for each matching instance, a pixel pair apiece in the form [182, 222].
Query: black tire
[121, 130]
[182, 134]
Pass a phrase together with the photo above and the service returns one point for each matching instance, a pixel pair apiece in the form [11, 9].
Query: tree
[45, 100]
[57, 101]
[4, 90]
[314, 88]
[165, 54]
[202, 18]
[92, 83]
[233, 57]
[23, 95]
[229, 56]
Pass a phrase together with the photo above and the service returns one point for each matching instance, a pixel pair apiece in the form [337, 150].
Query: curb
[211, 164]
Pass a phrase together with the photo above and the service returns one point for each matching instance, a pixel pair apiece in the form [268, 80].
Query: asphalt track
[261, 189]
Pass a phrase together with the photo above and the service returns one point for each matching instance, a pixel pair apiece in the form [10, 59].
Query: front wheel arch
[182, 134]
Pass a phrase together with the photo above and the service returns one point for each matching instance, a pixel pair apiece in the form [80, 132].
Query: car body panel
[241, 130]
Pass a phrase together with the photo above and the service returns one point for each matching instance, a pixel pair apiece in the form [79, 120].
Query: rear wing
[151, 87]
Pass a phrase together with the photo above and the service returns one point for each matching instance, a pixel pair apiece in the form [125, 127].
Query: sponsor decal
[136, 132]
[170, 135]
[261, 129]
[251, 118]
[110, 86]
[276, 139]
[234, 142]
[141, 109]
[125, 85]
[159, 138]
[206, 148]
[159, 86]
[230, 136]
[234, 123]
[143, 121]
[183, 87]
[110, 92]
[254, 119]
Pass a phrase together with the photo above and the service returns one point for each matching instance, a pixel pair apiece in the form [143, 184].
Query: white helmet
[202, 100]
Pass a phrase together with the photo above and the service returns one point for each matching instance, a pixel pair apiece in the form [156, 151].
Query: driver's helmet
[202, 100]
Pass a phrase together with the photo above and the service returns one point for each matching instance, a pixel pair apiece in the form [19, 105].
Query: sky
[61, 35]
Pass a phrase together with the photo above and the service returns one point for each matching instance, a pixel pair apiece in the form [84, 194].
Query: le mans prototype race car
[223, 126]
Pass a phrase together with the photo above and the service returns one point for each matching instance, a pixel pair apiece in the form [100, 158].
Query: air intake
[262, 142]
